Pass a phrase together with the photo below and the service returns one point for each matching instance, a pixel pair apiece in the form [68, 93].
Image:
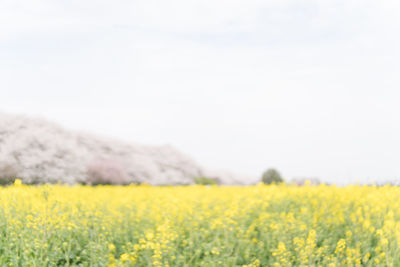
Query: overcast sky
[309, 87]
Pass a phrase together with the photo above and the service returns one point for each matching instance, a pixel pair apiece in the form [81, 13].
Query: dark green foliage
[7, 174]
[271, 176]
[205, 181]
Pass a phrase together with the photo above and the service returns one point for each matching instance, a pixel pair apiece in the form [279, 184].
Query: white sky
[308, 87]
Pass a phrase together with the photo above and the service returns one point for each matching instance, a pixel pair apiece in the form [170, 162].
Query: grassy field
[199, 226]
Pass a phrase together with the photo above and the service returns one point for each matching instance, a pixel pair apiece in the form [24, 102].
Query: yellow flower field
[278, 225]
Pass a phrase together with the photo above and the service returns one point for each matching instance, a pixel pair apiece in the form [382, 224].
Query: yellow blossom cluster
[276, 225]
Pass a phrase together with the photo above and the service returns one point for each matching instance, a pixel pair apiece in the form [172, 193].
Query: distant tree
[43, 152]
[205, 181]
[106, 172]
[271, 176]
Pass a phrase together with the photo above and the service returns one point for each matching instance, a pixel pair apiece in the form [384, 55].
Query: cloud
[185, 17]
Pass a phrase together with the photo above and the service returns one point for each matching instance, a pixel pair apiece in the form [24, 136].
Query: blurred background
[308, 87]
